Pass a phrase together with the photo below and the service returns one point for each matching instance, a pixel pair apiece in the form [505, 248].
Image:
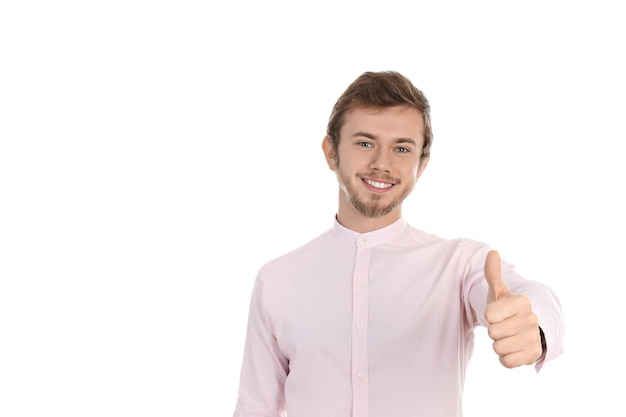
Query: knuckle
[489, 314]
[532, 322]
[523, 302]
[536, 354]
[508, 362]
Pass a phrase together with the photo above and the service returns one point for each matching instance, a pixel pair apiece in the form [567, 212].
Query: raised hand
[512, 325]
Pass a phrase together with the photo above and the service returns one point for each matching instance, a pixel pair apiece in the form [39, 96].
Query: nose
[380, 161]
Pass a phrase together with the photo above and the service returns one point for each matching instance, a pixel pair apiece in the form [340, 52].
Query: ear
[329, 153]
[422, 166]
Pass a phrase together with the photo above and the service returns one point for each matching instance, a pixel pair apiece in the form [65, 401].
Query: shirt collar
[369, 239]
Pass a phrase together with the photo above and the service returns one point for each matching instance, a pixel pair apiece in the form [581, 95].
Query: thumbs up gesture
[512, 325]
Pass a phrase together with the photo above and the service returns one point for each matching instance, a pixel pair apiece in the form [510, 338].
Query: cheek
[413, 171]
[348, 162]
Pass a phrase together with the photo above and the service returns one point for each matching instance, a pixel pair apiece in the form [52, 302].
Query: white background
[154, 154]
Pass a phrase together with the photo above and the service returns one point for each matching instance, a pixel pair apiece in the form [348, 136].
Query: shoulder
[299, 257]
[430, 240]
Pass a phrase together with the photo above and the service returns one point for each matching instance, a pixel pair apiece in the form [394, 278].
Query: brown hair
[380, 90]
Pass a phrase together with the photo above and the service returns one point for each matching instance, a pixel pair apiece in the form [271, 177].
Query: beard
[371, 205]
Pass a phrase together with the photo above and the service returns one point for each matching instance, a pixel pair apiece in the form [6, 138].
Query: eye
[364, 144]
[402, 149]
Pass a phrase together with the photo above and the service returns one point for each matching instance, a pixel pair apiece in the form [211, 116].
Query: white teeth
[378, 184]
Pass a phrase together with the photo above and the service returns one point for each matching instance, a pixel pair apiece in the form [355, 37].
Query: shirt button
[362, 241]
[361, 376]
[360, 326]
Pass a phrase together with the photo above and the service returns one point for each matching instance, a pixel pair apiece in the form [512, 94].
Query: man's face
[378, 160]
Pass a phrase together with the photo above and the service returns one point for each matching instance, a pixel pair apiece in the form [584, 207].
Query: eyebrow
[374, 137]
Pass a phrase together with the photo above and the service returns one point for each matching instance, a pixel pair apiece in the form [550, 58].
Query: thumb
[493, 276]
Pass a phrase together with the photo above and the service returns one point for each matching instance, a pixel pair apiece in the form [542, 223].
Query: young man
[375, 318]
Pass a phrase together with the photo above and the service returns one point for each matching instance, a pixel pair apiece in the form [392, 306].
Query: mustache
[383, 177]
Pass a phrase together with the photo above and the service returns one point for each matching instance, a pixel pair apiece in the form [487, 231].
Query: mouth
[377, 186]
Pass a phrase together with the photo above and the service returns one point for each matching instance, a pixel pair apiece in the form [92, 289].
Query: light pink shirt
[372, 325]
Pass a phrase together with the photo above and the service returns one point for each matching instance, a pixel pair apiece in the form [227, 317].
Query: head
[378, 144]
[379, 90]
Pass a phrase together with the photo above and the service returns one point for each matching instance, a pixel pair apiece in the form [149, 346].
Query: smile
[378, 185]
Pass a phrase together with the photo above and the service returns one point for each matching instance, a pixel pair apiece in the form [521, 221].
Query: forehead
[389, 122]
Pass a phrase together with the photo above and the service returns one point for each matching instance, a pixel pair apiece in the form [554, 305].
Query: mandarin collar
[369, 239]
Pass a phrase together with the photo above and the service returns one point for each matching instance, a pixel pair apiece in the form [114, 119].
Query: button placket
[360, 356]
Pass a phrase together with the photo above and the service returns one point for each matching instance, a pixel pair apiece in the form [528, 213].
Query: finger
[515, 308]
[524, 326]
[493, 276]
[529, 342]
[507, 346]
[519, 358]
[501, 329]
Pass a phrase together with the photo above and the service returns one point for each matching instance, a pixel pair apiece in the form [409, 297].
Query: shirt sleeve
[545, 303]
[264, 368]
